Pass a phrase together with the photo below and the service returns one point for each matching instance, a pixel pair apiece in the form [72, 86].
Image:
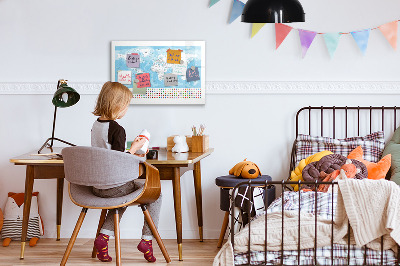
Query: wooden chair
[85, 167]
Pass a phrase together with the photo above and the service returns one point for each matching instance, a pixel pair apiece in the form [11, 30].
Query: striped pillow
[372, 145]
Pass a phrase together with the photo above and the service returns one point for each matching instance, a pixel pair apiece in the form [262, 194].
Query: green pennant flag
[213, 2]
[332, 41]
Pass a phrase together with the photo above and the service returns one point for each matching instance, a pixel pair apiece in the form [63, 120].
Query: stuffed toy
[13, 215]
[245, 169]
[180, 144]
[296, 174]
[375, 170]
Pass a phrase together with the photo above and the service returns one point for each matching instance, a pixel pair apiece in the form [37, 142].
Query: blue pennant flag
[361, 37]
[332, 41]
[237, 9]
[213, 2]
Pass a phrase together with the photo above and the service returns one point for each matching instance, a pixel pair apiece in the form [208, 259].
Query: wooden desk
[171, 167]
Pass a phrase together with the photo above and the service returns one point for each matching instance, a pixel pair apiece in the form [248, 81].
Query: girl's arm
[136, 145]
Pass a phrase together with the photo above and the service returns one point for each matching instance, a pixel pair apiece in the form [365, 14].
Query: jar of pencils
[199, 140]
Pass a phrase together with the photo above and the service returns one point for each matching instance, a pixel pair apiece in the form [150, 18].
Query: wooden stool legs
[73, 237]
[101, 222]
[117, 239]
[223, 229]
[156, 235]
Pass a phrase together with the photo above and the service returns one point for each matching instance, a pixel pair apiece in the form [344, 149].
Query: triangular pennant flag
[361, 37]
[213, 2]
[281, 31]
[332, 41]
[306, 39]
[237, 9]
[256, 28]
[390, 32]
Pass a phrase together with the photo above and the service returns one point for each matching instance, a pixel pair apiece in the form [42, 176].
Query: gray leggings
[154, 208]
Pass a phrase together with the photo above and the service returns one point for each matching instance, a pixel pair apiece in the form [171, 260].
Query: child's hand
[143, 155]
[137, 144]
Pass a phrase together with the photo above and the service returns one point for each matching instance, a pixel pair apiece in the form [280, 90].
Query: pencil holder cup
[200, 143]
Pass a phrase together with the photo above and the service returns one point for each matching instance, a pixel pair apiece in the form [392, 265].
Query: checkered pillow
[372, 145]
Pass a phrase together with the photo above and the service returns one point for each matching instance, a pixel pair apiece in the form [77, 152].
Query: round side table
[228, 182]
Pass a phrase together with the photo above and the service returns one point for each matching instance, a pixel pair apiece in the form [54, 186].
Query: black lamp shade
[273, 11]
[65, 96]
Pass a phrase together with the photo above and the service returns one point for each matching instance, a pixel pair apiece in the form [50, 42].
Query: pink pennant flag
[281, 31]
[389, 30]
[306, 39]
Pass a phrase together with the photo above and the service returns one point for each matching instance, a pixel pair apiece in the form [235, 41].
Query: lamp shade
[65, 96]
[273, 11]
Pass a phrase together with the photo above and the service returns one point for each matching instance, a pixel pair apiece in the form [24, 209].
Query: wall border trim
[232, 87]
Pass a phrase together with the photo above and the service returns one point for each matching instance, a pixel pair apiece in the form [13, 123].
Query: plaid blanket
[323, 205]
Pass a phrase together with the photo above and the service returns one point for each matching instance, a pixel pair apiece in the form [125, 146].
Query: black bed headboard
[346, 113]
[344, 121]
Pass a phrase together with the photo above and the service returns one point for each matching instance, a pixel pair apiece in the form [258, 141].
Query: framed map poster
[160, 72]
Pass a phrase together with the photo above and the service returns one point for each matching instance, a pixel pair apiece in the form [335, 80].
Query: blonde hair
[112, 99]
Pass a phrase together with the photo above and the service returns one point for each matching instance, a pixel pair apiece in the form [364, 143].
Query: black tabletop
[230, 181]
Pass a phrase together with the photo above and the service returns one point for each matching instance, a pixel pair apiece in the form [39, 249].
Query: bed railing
[331, 119]
[265, 185]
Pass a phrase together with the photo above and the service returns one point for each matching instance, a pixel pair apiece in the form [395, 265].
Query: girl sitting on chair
[112, 104]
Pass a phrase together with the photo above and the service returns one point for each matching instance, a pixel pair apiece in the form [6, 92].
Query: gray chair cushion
[84, 196]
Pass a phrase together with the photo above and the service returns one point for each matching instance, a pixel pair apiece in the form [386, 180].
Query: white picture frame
[182, 61]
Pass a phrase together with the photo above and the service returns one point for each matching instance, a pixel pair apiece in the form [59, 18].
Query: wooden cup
[200, 143]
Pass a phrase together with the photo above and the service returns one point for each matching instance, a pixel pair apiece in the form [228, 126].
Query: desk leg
[27, 206]
[199, 204]
[60, 190]
[176, 182]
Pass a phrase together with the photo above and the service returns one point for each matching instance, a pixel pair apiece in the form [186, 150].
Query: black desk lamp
[65, 96]
[273, 11]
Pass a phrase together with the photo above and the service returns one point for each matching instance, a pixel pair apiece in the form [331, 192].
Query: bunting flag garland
[237, 9]
[361, 37]
[332, 41]
[213, 2]
[389, 30]
[281, 31]
[306, 39]
[256, 28]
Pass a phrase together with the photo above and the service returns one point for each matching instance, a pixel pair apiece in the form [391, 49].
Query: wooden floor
[50, 252]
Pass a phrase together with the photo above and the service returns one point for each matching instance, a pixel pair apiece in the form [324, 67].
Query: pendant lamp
[273, 11]
[64, 96]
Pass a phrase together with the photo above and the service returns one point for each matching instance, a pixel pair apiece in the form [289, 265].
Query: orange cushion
[375, 170]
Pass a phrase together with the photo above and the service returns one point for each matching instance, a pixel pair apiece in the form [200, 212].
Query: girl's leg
[107, 230]
[154, 210]
[108, 226]
[145, 244]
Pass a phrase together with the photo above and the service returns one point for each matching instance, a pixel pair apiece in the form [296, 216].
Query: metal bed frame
[283, 184]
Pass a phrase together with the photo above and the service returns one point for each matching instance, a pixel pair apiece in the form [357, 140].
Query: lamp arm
[54, 126]
[54, 118]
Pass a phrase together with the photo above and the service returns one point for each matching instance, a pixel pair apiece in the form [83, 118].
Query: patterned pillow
[372, 144]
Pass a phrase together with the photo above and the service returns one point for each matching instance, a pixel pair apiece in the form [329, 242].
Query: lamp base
[50, 146]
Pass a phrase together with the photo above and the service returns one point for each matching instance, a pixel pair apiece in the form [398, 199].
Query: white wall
[42, 41]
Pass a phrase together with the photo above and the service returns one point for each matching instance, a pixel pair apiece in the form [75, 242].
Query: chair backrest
[91, 166]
